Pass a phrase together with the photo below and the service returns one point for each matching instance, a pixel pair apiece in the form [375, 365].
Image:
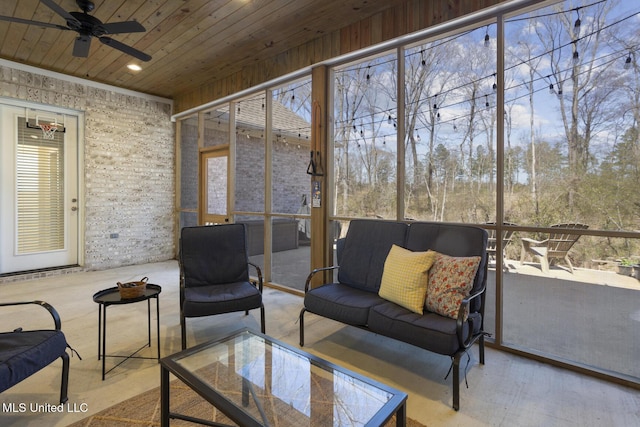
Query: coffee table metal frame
[169, 365]
[111, 296]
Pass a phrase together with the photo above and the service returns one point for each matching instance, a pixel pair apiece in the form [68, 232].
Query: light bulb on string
[576, 58]
[551, 89]
[423, 62]
[576, 25]
[627, 62]
[486, 38]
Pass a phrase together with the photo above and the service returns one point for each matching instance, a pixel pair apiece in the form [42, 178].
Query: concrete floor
[507, 391]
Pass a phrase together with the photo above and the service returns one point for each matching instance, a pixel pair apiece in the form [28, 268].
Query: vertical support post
[320, 245]
[500, 111]
[268, 187]
[400, 160]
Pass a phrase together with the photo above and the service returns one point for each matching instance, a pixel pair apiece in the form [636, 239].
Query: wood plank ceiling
[191, 41]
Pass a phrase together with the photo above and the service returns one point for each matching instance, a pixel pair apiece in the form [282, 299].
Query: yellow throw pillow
[405, 277]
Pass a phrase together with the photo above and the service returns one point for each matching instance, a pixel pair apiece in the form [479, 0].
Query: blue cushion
[429, 331]
[218, 299]
[366, 247]
[342, 303]
[24, 353]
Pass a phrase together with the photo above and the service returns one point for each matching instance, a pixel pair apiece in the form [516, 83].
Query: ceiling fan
[87, 27]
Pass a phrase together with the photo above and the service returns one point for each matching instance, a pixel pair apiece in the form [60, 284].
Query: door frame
[80, 162]
[205, 154]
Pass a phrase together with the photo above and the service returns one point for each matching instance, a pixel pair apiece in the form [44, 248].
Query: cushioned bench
[389, 283]
[23, 353]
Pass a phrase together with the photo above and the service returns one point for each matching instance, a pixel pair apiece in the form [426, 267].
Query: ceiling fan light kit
[87, 27]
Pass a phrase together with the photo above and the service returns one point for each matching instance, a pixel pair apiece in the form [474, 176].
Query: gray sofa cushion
[217, 299]
[366, 247]
[24, 353]
[429, 331]
[342, 303]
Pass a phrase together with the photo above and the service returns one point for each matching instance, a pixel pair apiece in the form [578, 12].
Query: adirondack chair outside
[556, 246]
[492, 243]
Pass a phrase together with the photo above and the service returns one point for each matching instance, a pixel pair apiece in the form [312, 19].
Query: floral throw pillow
[450, 281]
[405, 277]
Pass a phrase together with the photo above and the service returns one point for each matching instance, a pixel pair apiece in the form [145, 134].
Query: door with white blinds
[38, 189]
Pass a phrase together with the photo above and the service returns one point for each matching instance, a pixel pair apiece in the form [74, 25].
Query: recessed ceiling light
[134, 67]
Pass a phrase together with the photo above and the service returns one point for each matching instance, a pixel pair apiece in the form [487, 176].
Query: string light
[551, 90]
[486, 38]
[577, 24]
[556, 89]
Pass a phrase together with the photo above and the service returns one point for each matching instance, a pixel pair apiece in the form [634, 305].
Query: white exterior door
[39, 197]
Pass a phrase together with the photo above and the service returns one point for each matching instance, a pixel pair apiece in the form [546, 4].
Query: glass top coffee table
[258, 381]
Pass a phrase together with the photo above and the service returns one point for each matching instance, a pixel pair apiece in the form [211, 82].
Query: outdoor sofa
[361, 297]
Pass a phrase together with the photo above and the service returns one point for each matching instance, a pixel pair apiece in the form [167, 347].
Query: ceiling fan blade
[124, 27]
[125, 49]
[71, 21]
[28, 22]
[81, 46]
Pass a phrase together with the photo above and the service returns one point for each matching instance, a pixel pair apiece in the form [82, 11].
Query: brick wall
[129, 164]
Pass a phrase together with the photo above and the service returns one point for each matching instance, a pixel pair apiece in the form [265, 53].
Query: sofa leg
[481, 349]
[456, 381]
[64, 385]
[262, 318]
[302, 326]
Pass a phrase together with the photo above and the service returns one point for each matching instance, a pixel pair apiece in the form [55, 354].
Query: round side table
[111, 296]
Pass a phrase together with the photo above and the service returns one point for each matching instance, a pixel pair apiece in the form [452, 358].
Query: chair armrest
[259, 272]
[533, 242]
[47, 306]
[464, 305]
[307, 283]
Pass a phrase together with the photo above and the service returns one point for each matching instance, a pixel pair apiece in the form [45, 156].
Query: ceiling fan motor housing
[89, 25]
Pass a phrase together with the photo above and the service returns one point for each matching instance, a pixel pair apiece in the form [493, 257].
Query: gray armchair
[214, 274]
